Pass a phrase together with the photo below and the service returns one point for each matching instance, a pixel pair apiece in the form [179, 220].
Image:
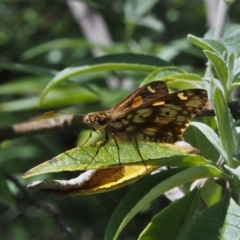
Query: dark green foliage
[46, 64]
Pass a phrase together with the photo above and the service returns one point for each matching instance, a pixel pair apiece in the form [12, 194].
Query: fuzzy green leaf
[169, 225]
[183, 177]
[138, 191]
[81, 158]
[229, 43]
[212, 137]
[208, 44]
[220, 221]
[219, 66]
[226, 127]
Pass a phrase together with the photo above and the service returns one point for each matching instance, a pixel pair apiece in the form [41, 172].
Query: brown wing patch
[137, 101]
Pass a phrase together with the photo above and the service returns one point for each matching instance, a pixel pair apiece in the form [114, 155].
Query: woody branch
[69, 122]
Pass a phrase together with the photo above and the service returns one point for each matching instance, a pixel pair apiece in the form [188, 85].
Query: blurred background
[40, 38]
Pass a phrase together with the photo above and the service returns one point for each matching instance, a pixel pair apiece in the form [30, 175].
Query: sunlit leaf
[81, 158]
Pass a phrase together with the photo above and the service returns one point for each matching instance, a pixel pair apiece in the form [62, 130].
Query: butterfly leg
[96, 153]
[118, 150]
[135, 144]
[90, 135]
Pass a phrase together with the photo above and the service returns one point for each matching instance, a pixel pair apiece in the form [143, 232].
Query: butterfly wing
[141, 96]
[162, 119]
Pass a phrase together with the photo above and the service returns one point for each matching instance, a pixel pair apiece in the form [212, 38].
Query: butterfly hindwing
[163, 119]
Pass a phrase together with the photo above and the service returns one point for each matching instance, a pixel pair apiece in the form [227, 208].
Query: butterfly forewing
[141, 96]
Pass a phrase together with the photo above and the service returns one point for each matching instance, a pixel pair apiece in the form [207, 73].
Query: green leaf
[211, 192]
[27, 85]
[176, 47]
[184, 84]
[160, 73]
[212, 137]
[220, 221]
[234, 86]
[226, 127]
[28, 69]
[220, 67]
[126, 61]
[208, 44]
[184, 76]
[6, 196]
[138, 8]
[229, 43]
[235, 171]
[81, 158]
[20, 104]
[230, 67]
[237, 70]
[149, 22]
[175, 78]
[184, 81]
[200, 141]
[55, 44]
[169, 225]
[138, 191]
[229, 29]
[57, 98]
[183, 177]
[215, 82]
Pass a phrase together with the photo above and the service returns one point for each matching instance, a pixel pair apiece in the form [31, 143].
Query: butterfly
[148, 114]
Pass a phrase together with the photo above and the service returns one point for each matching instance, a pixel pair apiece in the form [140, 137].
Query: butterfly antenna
[73, 114]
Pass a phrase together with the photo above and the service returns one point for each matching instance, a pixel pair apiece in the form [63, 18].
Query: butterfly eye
[102, 121]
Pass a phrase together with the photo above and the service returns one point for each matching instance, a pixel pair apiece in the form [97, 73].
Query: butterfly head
[97, 121]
